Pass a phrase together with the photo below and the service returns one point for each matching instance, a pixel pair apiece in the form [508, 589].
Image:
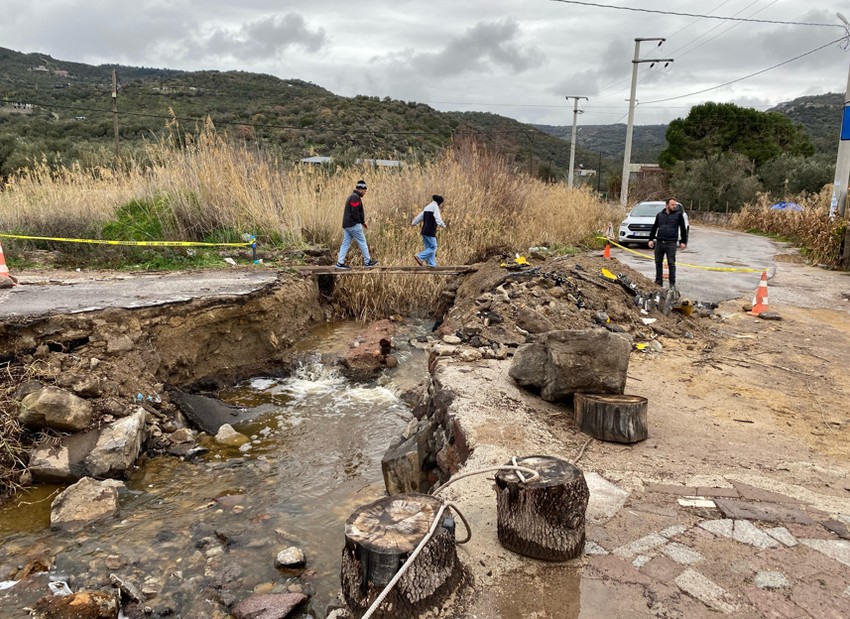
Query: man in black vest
[353, 225]
[667, 232]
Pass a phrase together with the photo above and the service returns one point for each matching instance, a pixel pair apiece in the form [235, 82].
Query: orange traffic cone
[607, 252]
[760, 300]
[4, 270]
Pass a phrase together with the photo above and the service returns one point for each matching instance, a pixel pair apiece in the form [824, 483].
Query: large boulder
[370, 351]
[63, 460]
[51, 407]
[268, 606]
[85, 502]
[561, 363]
[118, 446]
[79, 605]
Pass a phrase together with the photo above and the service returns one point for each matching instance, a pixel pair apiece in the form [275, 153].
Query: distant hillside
[647, 140]
[64, 109]
[820, 115]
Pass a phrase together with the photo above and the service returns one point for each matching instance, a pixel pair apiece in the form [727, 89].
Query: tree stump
[615, 418]
[379, 538]
[544, 518]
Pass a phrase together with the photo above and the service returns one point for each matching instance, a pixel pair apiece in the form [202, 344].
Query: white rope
[407, 563]
[534, 474]
[445, 505]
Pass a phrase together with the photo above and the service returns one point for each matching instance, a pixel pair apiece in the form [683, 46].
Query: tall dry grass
[210, 186]
[811, 228]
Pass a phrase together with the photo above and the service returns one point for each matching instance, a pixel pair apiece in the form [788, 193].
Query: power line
[744, 19]
[746, 77]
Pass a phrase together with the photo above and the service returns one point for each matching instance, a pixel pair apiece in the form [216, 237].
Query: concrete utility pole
[576, 112]
[842, 163]
[115, 112]
[627, 154]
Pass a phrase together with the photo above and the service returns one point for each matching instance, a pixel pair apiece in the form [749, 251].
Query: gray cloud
[260, 39]
[481, 46]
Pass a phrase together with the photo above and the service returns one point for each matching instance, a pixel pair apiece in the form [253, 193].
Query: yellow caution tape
[143, 243]
[640, 346]
[685, 264]
[608, 275]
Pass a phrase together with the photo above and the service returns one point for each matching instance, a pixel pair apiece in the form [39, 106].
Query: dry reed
[811, 228]
[211, 187]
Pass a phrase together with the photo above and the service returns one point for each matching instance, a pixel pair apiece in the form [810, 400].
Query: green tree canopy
[716, 183]
[713, 129]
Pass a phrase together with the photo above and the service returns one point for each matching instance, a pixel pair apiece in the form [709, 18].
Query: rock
[119, 344]
[391, 361]
[367, 359]
[452, 339]
[80, 605]
[86, 501]
[268, 606]
[226, 435]
[24, 389]
[533, 321]
[292, 557]
[208, 414]
[88, 387]
[183, 435]
[63, 461]
[118, 446]
[55, 408]
[469, 355]
[128, 590]
[561, 363]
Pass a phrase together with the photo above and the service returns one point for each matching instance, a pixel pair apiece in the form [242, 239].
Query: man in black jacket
[353, 224]
[665, 236]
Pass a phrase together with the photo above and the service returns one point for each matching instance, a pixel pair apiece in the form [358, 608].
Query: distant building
[41, 69]
[60, 73]
[380, 163]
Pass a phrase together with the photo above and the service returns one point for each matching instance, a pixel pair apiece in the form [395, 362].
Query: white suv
[637, 224]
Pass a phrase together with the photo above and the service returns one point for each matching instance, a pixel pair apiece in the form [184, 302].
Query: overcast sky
[517, 58]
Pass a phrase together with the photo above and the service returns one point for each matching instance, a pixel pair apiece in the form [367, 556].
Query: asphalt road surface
[34, 298]
[713, 247]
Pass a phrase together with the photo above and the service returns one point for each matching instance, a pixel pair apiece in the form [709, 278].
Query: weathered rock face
[51, 407]
[370, 352]
[84, 502]
[64, 461]
[561, 363]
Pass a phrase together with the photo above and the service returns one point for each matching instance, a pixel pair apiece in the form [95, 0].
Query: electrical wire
[742, 19]
[746, 77]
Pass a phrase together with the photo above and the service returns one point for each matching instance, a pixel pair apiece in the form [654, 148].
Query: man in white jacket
[430, 218]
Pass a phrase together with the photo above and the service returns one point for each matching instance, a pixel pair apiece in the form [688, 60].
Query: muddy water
[199, 533]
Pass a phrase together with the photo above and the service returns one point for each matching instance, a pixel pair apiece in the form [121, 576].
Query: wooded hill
[64, 109]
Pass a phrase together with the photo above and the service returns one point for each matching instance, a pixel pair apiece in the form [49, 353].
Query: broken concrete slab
[742, 531]
[771, 580]
[696, 585]
[696, 501]
[674, 530]
[752, 493]
[783, 535]
[663, 569]
[643, 545]
[838, 549]
[671, 489]
[766, 512]
[681, 554]
[592, 548]
[606, 499]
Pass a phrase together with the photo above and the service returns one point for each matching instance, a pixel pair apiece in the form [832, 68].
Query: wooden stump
[616, 418]
[379, 538]
[543, 519]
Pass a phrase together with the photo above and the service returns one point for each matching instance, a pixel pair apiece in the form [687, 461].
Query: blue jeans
[355, 232]
[429, 254]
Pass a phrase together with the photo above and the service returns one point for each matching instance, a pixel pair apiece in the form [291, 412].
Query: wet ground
[191, 532]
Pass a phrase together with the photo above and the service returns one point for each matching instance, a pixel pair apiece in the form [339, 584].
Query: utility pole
[115, 112]
[842, 163]
[576, 112]
[627, 154]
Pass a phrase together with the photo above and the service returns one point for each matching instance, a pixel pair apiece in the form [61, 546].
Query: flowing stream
[193, 534]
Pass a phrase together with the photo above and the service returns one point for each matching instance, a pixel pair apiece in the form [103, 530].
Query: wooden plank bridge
[386, 269]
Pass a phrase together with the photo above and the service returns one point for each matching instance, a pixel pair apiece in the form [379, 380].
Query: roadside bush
[789, 175]
[811, 228]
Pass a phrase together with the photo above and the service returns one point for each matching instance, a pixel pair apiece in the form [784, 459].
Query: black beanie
[437, 199]
[361, 184]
